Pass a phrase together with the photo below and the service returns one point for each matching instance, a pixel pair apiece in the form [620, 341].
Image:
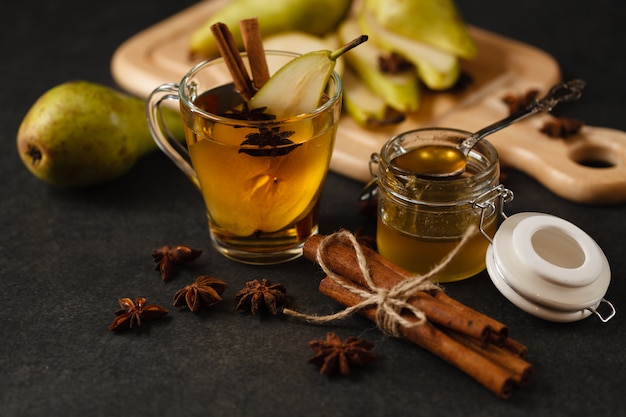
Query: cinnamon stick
[515, 347]
[253, 43]
[491, 375]
[520, 368]
[340, 258]
[499, 331]
[230, 53]
[442, 314]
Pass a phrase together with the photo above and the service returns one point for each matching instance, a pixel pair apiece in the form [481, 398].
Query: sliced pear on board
[317, 17]
[436, 68]
[366, 108]
[437, 23]
[400, 91]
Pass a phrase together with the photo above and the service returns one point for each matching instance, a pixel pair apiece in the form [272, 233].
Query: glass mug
[262, 201]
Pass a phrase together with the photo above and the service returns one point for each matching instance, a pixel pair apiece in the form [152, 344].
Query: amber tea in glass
[260, 179]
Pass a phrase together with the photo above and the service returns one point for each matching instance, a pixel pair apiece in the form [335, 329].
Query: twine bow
[390, 303]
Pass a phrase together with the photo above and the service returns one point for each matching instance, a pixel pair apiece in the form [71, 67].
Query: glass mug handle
[163, 138]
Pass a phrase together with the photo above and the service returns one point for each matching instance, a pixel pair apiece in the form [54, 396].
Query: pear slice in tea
[297, 87]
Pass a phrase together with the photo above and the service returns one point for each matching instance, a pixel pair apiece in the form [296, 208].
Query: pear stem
[352, 44]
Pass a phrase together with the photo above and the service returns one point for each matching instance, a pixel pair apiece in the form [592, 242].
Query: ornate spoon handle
[560, 93]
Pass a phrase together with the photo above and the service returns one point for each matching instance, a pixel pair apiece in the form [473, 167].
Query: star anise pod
[394, 63]
[268, 142]
[515, 103]
[257, 114]
[132, 313]
[167, 257]
[562, 127]
[262, 296]
[332, 355]
[463, 82]
[204, 292]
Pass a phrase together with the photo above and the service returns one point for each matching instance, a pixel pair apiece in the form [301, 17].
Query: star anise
[268, 142]
[132, 313]
[332, 355]
[204, 292]
[463, 82]
[262, 296]
[515, 103]
[257, 114]
[394, 63]
[562, 127]
[167, 257]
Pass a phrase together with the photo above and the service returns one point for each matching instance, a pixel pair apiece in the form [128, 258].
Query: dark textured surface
[66, 256]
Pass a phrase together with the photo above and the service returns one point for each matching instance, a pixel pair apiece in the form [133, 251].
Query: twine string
[389, 303]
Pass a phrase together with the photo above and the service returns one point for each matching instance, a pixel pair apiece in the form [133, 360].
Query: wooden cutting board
[503, 66]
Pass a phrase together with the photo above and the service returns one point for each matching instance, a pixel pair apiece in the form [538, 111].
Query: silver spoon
[562, 92]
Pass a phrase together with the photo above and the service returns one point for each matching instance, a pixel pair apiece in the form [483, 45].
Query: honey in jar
[420, 219]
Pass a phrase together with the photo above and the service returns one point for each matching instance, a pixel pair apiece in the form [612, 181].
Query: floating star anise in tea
[262, 296]
[167, 257]
[257, 114]
[335, 356]
[268, 142]
[132, 313]
[204, 292]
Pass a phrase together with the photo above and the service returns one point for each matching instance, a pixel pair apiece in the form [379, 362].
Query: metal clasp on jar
[370, 191]
[488, 203]
[609, 315]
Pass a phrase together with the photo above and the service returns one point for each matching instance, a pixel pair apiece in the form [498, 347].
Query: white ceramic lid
[548, 267]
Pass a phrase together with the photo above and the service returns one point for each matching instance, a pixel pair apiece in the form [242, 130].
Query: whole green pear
[80, 134]
[317, 17]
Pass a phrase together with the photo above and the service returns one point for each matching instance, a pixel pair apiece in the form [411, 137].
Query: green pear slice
[360, 102]
[437, 23]
[302, 42]
[400, 91]
[436, 68]
[298, 86]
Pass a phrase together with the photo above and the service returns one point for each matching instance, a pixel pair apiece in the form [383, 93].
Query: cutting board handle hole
[595, 156]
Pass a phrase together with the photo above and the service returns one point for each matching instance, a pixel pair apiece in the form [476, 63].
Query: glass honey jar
[422, 219]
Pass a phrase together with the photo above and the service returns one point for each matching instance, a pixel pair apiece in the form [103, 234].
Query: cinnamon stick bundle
[471, 341]
[340, 257]
[496, 378]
